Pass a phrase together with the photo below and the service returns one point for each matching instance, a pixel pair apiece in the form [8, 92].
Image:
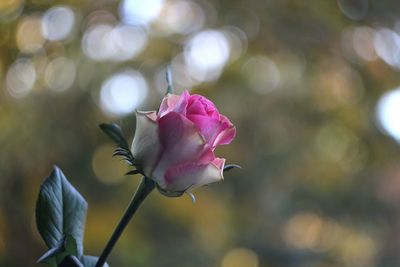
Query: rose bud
[175, 146]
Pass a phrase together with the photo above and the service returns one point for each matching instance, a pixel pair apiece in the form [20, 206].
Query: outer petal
[215, 132]
[225, 137]
[180, 141]
[188, 176]
[146, 146]
[227, 134]
[210, 128]
[207, 156]
[174, 103]
[167, 104]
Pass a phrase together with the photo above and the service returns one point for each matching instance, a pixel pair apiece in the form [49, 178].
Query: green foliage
[60, 219]
[65, 247]
[115, 133]
[60, 211]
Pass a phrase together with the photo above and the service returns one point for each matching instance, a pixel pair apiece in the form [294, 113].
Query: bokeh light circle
[206, 53]
[123, 92]
[105, 42]
[138, 12]
[388, 113]
[183, 17]
[240, 257]
[108, 171]
[29, 36]
[57, 23]
[354, 9]
[387, 46]
[60, 74]
[11, 9]
[262, 74]
[21, 77]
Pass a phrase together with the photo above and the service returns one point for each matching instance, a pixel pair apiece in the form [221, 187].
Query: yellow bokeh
[310, 231]
[240, 257]
[107, 169]
[7, 7]
[29, 35]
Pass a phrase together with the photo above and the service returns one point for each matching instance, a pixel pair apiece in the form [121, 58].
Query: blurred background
[312, 86]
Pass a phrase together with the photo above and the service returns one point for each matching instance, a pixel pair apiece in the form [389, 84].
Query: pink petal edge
[152, 115]
[187, 176]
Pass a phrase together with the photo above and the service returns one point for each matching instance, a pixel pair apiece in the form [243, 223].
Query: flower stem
[168, 75]
[144, 189]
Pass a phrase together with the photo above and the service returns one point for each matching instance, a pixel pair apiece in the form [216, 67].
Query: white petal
[146, 145]
[190, 176]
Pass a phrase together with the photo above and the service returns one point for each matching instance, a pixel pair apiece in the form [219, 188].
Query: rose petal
[207, 156]
[152, 115]
[219, 163]
[210, 128]
[181, 105]
[191, 175]
[195, 107]
[174, 103]
[180, 141]
[227, 134]
[225, 137]
[175, 130]
[168, 102]
[207, 107]
[215, 132]
[146, 146]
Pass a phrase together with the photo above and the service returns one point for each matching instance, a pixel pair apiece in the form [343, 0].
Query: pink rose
[175, 147]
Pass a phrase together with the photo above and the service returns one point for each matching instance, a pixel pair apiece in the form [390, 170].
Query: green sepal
[229, 167]
[114, 131]
[169, 193]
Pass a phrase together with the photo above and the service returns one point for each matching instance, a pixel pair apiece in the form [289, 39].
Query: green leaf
[71, 246]
[65, 247]
[115, 133]
[60, 212]
[90, 261]
[50, 256]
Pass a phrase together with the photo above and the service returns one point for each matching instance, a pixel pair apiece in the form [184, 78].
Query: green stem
[168, 75]
[144, 189]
